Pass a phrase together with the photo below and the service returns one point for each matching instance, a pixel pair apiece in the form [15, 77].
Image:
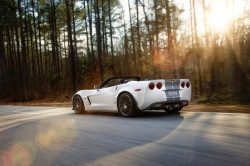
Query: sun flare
[219, 18]
[222, 13]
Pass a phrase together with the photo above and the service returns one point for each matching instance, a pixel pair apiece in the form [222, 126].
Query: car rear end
[165, 94]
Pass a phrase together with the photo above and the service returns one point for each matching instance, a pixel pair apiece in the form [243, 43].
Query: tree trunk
[99, 38]
[71, 46]
[38, 66]
[191, 23]
[132, 39]
[75, 44]
[86, 27]
[91, 32]
[111, 39]
[170, 41]
[205, 22]
[195, 25]
[24, 67]
[170, 38]
[53, 28]
[139, 58]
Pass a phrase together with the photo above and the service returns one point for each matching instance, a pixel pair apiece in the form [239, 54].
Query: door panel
[103, 98]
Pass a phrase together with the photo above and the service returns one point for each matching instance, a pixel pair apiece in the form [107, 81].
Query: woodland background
[52, 48]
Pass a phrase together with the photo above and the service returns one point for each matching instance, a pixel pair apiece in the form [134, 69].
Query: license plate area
[172, 93]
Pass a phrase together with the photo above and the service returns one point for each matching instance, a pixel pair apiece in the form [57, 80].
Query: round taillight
[188, 84]
[151, 86]
[183, 84]
[159, 85]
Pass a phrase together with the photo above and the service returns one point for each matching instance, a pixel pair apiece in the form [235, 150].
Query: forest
[52, 48]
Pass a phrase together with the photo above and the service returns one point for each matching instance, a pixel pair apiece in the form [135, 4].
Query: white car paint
[106, 98]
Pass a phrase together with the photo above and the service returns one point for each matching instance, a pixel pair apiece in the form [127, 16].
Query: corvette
[129, 95]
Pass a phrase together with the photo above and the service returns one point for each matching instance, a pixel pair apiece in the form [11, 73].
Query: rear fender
[137, 92]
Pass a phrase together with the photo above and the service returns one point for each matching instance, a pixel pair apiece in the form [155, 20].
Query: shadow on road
[145, 114]
[104, 135]
[71, 139]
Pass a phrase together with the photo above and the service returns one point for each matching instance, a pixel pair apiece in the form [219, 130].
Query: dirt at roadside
[217, 108]
[53, 103]
[191, 108]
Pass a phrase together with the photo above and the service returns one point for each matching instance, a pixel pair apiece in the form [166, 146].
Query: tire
[173, 109]
[127, 106]
[78, 105]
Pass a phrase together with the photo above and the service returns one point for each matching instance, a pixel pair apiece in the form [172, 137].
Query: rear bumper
[165, 104]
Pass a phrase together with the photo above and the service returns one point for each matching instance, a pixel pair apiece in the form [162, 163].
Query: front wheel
[126, 105]
[78, 105]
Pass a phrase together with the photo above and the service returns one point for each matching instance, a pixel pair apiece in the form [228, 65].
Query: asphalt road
[57, 136]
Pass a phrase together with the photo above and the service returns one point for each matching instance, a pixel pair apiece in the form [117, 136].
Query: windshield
[113, 81]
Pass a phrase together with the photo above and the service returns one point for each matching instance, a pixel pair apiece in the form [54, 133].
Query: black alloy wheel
[126, 105]
[78, 105]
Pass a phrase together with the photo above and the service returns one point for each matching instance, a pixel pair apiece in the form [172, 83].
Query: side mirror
[96, 87]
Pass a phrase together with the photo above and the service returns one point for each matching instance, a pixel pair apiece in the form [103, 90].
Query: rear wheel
[126, 105]
[78, 105]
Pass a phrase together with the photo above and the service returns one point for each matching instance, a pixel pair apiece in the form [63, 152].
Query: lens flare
[56, 140]
[21, 153]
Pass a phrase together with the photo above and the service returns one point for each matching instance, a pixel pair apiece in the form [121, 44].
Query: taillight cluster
[187, 84]
[152, 85]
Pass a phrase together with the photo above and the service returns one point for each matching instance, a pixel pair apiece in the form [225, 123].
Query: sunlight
[219, 18]
[222, 13]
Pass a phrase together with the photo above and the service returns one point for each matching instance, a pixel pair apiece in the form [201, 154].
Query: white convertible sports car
[130, 95]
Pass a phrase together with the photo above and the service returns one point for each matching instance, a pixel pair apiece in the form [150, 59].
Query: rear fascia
[152, 97]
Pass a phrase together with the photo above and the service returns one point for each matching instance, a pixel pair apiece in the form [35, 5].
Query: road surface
[57, 136]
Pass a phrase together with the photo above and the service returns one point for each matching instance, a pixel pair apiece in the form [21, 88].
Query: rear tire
[127, 106]
[78, 105]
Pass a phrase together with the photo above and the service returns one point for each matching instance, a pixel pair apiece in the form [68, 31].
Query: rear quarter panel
[136, 88]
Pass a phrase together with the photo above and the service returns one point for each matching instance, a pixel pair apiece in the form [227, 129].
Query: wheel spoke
[78, 105]
[125, 104]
